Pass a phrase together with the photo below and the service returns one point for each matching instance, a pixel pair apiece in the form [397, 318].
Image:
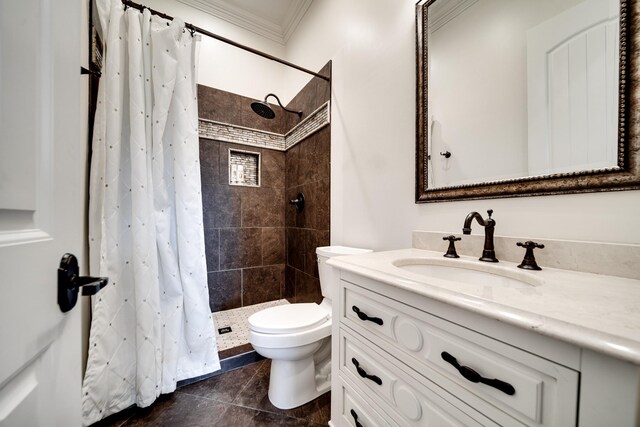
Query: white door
[42, 197]
[572, 62]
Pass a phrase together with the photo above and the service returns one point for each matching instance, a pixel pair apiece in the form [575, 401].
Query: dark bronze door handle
[364, 316]
[471, 375]
[364, 373]
[70, 282]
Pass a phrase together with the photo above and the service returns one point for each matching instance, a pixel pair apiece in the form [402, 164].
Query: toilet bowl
[297, 339]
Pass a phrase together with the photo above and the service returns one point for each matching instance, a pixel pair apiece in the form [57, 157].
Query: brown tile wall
[258, 248]
[226, 107]
[244, 229]
[307, 171]
[312, 96]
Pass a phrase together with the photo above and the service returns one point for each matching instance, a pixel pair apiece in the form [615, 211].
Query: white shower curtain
[151, 326]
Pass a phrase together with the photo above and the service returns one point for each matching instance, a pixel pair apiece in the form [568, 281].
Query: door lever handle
[70, 282]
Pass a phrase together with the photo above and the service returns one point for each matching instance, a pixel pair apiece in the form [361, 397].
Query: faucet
[488, 254]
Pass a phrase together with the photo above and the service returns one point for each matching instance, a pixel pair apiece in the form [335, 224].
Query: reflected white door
[42, 196]
[572, 67]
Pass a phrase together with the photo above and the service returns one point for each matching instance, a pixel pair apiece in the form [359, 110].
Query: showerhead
[263, 109]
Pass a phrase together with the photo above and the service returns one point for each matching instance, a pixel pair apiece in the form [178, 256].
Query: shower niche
[244, 168]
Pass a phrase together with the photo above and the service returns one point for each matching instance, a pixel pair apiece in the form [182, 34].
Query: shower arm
[299, 113]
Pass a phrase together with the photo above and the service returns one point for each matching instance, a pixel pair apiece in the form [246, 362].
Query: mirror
[526, 97]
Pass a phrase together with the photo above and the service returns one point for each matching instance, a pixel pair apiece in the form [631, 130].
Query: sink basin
[471, 272]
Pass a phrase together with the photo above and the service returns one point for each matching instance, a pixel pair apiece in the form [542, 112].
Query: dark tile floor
[236, 399]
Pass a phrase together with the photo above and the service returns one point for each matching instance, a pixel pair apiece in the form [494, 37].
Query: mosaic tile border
[315, 121]
[226, 132]
[240, 135]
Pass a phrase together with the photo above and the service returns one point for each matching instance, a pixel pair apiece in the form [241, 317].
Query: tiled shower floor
[237, 320]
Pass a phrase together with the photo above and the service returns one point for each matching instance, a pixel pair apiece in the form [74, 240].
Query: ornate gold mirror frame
[625, 176]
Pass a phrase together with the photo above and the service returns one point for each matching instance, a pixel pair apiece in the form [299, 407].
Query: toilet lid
[288, 318]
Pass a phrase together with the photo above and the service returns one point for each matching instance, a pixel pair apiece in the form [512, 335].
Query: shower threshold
[234, 349]
[232, 326]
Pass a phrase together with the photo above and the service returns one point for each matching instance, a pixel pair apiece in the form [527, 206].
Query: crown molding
[278, 32]
[293, 18]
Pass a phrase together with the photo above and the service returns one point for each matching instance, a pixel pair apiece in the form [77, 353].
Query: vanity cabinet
[404, 359]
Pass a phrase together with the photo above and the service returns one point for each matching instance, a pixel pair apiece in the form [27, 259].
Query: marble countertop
[593, 311]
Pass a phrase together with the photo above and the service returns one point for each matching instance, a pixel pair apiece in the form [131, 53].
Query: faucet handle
[489, 211]
[451, 251]
[529, 244]
[529, 261]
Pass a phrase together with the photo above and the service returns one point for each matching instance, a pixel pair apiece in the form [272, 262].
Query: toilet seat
[288, 318]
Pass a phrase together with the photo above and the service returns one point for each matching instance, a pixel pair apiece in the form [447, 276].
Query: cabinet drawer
[352, 406]
[544, 393]
[389, 384]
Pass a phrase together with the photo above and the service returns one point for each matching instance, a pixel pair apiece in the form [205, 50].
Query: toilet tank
[329, 276]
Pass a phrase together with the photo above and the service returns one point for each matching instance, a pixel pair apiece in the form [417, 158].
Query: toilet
[297, 339]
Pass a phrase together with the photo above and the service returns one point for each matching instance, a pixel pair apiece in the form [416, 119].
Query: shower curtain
[151, 326]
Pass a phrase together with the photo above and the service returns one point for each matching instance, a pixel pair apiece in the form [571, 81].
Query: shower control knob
[298, 202]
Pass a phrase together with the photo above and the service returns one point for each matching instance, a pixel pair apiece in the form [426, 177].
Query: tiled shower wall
[244, 226]
[308, 171]
[247, 258]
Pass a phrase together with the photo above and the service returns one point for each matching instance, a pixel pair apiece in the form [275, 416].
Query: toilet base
[293, 383]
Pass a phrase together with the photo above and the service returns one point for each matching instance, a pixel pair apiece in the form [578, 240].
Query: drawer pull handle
[475, 377]
[355, 418]
[363, 316]
[364, 374]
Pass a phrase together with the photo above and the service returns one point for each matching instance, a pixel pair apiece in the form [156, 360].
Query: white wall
[226, 67]
[372, 45]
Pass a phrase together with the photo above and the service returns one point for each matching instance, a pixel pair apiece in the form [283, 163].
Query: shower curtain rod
[192, 27]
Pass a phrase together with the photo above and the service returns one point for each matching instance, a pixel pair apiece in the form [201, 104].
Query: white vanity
[421, 340]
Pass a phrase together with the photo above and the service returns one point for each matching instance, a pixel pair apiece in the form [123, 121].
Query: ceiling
[273, 19]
